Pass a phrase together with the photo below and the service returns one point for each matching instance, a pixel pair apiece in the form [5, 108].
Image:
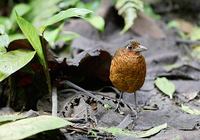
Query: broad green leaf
[173, 24]
[148, 10]
[72, 12]
[16, 36]
[2, 29]
[4, 40]
[9, 118]
[137, 134]
[96, 21]
[92, 5]
[166, 86]
[28, 127]
[51, 36]
[67, 36]
[21, 10]
[31, 34]
[6, 22]
[68, 3]
[128, 10]
[129, 17]
[48, 10]
[12, 61]
[190, 110]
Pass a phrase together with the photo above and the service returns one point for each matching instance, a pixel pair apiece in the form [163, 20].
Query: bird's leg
[135, 100]
[136, 105]
[120, 98]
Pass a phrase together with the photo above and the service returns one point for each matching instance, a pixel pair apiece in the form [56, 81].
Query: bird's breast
[127, 72]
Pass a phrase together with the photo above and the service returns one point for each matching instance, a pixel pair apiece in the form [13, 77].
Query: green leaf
[72, 12]
[67, 36]
[49, 8]
[148, 10]
[31, 34]
[12, 61]
[51, 36]
[196, 52]
[138, 134]
[190, 110]
[96, 21]
[2, 50]
[9, 118]
[92, 5]
[129, 18]
[128, 10]
[4, 40]
[21, 10]
[195, 34]
[165, 86]
[68, 3]
[28, 127]
[6, 22]
[173, 24]
[16, 36]
[2, 29]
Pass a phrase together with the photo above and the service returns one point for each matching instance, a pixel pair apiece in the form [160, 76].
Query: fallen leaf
[13, 117]
[183, 25]
[137, 134]
[27, 127]
[190, 95]
[165, 86]
[190, 110]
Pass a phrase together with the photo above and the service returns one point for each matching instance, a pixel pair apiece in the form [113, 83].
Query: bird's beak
[141, 48]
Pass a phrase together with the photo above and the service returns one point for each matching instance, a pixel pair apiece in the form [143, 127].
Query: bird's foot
[117, 109]
[133, 111]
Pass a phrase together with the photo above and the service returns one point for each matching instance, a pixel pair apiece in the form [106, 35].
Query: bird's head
[135, 47]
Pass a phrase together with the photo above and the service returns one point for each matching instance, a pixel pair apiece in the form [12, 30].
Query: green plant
[128, 10]
[32, 12]
[33, 36]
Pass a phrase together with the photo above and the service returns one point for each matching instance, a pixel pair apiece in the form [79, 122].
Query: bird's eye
[129, 47]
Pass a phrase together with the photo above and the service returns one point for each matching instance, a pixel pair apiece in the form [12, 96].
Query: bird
[128, 69]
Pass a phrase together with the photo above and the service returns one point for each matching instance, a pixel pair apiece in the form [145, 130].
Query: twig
[85, 92]
[54, 102]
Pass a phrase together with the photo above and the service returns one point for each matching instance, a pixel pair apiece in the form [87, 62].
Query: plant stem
[46, 68]
[54, 102]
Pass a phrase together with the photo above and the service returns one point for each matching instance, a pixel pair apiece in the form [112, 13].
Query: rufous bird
[128, 68]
